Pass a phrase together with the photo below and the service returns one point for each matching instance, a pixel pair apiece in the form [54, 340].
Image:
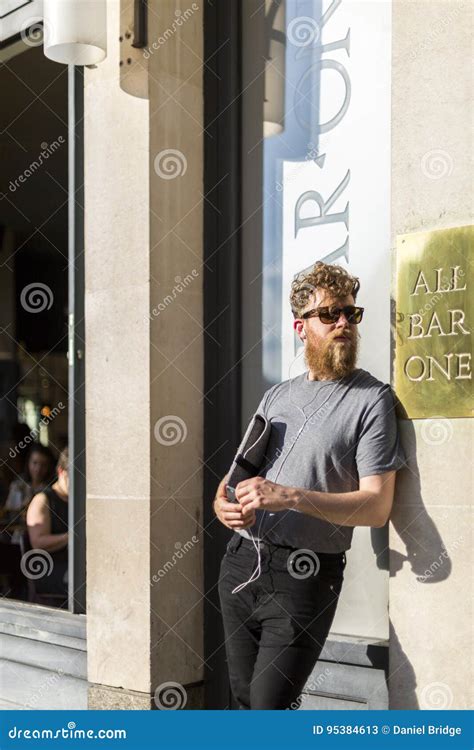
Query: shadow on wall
[426, 555]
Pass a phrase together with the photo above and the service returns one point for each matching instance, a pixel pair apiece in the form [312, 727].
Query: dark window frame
[222, 289]
[76, 344]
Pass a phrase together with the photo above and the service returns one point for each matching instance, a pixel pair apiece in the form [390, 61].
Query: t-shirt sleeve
[379, 447]
[266, 399]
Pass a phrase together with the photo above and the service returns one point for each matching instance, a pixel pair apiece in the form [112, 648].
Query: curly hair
[335, 279]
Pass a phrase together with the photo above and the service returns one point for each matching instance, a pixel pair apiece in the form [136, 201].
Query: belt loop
[236, 541]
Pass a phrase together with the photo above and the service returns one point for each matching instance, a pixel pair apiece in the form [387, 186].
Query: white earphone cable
[256, 542]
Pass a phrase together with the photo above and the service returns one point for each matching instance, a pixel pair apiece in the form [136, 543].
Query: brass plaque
[434, 317]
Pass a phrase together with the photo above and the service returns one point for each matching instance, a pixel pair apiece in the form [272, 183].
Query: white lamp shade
[274, 104]
[133, 61]
[75, 31]
[272, 128]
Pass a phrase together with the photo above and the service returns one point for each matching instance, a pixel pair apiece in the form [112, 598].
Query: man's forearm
[358, 508]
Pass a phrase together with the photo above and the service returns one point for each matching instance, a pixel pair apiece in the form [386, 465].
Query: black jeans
[275, 628]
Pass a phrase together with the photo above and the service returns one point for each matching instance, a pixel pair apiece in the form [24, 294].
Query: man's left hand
[258, 493]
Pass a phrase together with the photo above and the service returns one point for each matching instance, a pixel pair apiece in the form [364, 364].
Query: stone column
[144, 363]
[176, 345]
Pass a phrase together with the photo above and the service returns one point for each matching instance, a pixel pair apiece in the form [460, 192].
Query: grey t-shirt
[325, 435]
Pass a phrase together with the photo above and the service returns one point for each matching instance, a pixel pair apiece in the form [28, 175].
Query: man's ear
[298, 325]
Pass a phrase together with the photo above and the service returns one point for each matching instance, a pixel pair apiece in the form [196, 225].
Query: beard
[328, 359]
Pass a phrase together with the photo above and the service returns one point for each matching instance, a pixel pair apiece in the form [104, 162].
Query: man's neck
[326, 376]
[318, 376]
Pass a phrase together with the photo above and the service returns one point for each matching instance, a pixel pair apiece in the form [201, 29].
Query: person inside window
[47, 522]
[37, 475]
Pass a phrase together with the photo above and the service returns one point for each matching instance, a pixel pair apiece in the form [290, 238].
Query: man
[330, 465]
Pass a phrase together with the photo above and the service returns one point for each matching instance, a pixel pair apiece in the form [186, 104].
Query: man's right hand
[230, 514]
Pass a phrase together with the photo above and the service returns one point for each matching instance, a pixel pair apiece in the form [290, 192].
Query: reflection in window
[33, 331]
[297, 93]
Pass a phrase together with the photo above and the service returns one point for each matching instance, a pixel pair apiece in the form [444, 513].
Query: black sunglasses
[328, 315]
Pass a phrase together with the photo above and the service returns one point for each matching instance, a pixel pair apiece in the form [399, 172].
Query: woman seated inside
[47, 521]
[38, 474]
